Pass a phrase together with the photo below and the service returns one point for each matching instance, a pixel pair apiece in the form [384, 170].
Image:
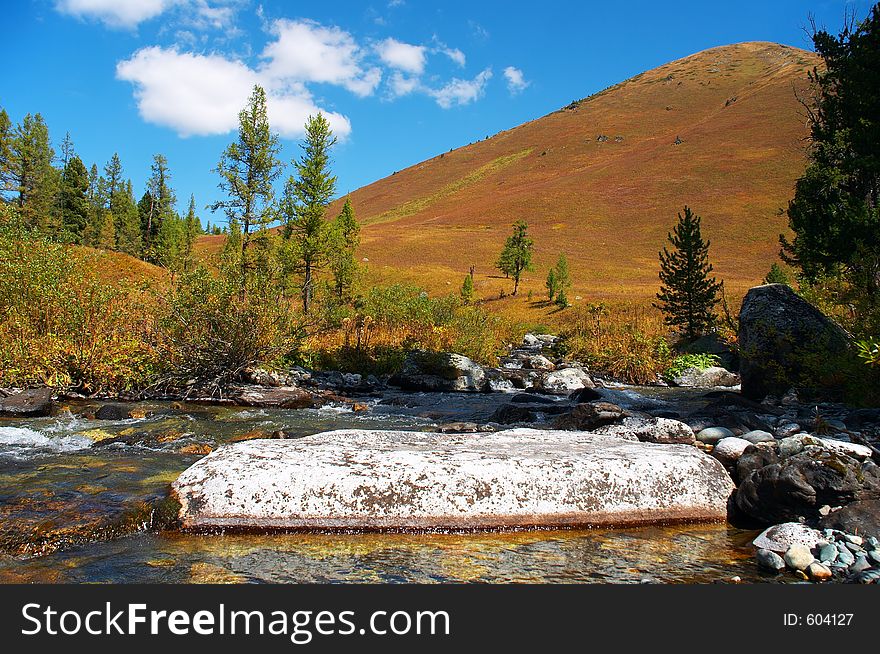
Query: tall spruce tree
[162, 200]
[516, 257]
[127, 221]
[307, 194]
[75, 208]
[192, 227]
[835, 212]
[688, 294]
[248, 168]
[6, 177]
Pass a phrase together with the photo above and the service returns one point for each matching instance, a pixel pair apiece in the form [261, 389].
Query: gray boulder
[711, 377]
[566, 380]
[782, 337]
[363, 479]
[586, 417]
[439, 371]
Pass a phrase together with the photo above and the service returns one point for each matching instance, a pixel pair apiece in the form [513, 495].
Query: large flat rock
[357, 479]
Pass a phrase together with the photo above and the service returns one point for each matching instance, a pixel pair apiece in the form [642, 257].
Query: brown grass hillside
[607, 203]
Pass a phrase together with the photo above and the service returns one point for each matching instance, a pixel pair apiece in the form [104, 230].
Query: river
[80, 500]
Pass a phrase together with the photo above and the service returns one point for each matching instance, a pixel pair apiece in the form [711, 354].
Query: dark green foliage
[516, 257]
[551, 284]
[688, 294]
[835, 212]
[777, 275]
[30, 175]
[562, 299]
[75, 208]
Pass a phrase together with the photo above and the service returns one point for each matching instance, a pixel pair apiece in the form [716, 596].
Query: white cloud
[461, 92]
[400, 85]
[305, 51]
[202, 94]
[402, 56]
[455, 54]
[115, 13]
[516, 82]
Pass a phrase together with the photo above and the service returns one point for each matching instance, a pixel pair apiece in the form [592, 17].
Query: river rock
[861, 517]
[728, 450]
[512, 413]
[757, 436]
[566, 380]
[712, 435]
[711, 377]
[30, 403]
[439, 371]
[799, 486]
[778, 332]
[754, 458]
[587, 417]
[779, 538]
[354, 479]
[113, 412]
[798, 557]
[818, 572]
[284, 397]
[651, 430]
[770, 560]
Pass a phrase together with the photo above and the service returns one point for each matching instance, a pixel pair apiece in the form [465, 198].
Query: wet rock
[587, 417]
[797, 487]
[712, 435]
[585, 394]
[778, 332]
[439, 371]
[786, 429]
[770, 560]
[352, 479]
[860, 517]
[511, 414]
[818, 572]
[283, 397]
[779, 538]
[30, 403]
[262, 377]
[566, 380]
[531, 398]
[113, 412]
[463, 428]
[711, 377]
[752, 459]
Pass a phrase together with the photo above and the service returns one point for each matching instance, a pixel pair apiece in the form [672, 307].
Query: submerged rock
[353, 479]
[586, 417]
[283, 397]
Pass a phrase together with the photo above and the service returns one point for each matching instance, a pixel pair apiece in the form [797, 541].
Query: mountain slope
[603, 179]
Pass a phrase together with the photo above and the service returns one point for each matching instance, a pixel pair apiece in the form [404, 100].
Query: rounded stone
[712, 435]
[818, 572]
[798, 557]
[770, 560]
[728, 450]
[758, 436]
[779, 538]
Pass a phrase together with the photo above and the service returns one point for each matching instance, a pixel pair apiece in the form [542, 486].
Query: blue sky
[402, 80]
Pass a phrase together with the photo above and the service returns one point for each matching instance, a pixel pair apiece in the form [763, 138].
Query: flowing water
[80, 500]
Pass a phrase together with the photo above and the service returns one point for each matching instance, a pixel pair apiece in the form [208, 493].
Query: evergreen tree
[31, 174]
[114, 183]
[247, 168]
[75, 209]
[563, 277]
[345, 238]
[145, 210]
[562, 299]
[192, 227]
[305, 204]
[551, 284]
[467, 289]
[127, 221]
[516, 257]
[6, 166]
[162, 201]
[687, 294]
[776, 275]
[835, 212]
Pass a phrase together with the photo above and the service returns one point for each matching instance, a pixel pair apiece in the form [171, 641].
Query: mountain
[603, 179]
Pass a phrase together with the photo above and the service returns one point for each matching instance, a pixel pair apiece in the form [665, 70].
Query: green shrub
[681, 363]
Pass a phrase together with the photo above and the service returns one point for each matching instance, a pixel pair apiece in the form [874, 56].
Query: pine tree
[467, 289]
[162, 200]
[562, 299]
[563, 277]
[127, 221]
[345, 238]
[75, 209]
[687, 294]
[114, 183]
[551, 284]
[248, 168]
[305, 204]
[516, 257]
[6, 176]
[776, 275]
[31, 174]
[191, 229]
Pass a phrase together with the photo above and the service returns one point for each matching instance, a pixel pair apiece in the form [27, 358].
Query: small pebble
[855, 540]
[818, 572]
[874, 555]
[799, 557]
[860, 565]
[827, 553]
[845, 556]
[770, 560]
